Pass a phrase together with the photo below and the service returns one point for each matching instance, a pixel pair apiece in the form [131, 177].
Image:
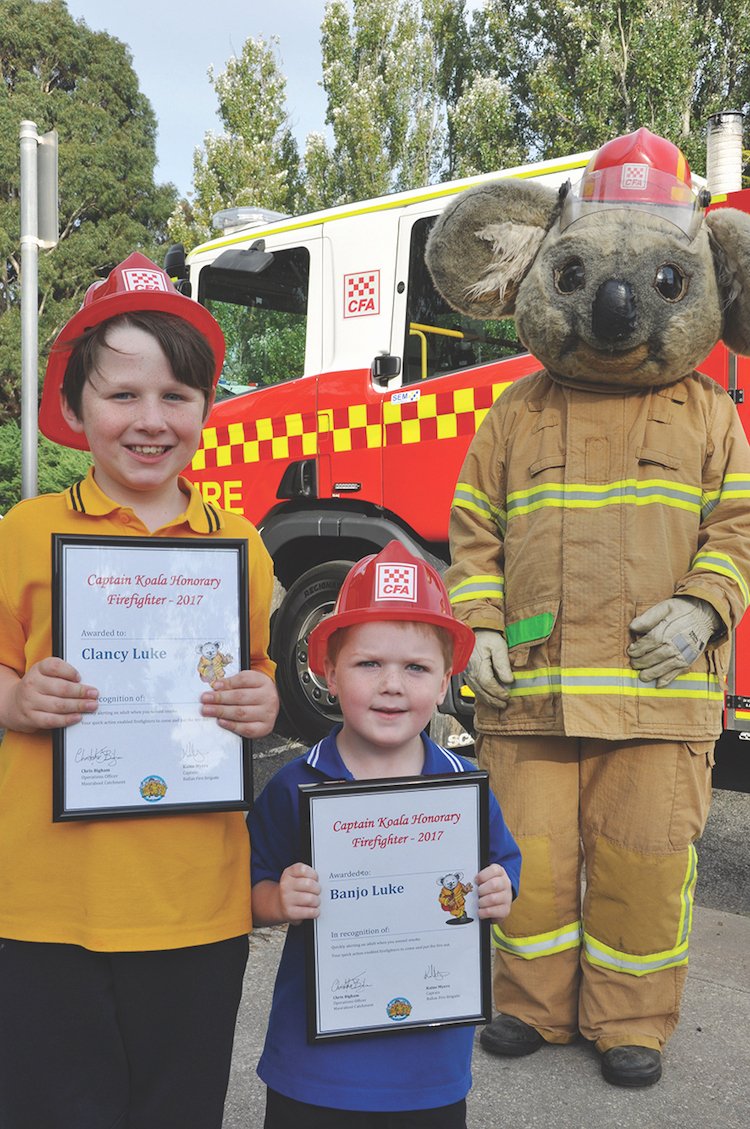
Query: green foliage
[605, 67]
[58, 466]
[588, 70]
[256, 160]
[10, 465]
[383, 73]
[278, 353]
[62, 75]
[484, 128]
[263, 346]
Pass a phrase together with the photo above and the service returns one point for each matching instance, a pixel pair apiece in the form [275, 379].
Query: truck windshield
[439, 339]
[262, 313]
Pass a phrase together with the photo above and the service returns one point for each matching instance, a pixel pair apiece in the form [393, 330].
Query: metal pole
[29, 310]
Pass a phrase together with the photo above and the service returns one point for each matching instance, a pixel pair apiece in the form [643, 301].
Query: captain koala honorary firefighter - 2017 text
[426, 825]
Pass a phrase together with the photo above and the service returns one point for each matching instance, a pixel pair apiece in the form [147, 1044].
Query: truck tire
[307, 709]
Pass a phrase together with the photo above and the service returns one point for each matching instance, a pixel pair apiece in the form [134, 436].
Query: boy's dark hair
[188, 352]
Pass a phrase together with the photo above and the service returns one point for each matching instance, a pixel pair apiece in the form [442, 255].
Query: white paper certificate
[151, 623]
[398, 943]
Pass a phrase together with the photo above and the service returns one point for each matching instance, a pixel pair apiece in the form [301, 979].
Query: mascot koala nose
[613, 317]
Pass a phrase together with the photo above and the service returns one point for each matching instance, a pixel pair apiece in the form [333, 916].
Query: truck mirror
[384, 367]
[176, 267]
[174, 261]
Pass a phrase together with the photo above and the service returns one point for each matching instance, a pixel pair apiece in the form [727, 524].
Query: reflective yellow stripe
[468, 497]
[709, 502]
[627, 491]
[606, 957]
[686, 897]
[606, 680]
[540, 945]
[722, 563]
[478, 588]
[735, 486]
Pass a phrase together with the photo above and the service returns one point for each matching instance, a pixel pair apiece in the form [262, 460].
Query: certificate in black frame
[330, 793]
[233, 550]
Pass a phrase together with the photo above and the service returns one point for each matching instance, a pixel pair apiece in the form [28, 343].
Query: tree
[483, 126]
[592, 69]
[60, 74]
[58, 466]
[381, 72]
[255, 161]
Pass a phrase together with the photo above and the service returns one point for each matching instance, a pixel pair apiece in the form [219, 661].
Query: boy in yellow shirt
[122, 942]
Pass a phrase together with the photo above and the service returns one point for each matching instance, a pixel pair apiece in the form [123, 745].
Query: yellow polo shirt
[159, 882]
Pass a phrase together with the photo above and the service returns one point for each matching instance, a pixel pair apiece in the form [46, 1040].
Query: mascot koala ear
[484, 243]
[730, 241]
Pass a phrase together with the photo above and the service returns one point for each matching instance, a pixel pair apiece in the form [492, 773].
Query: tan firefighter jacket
[577, 510]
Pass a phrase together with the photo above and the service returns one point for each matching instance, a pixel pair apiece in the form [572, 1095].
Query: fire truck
[365, 390]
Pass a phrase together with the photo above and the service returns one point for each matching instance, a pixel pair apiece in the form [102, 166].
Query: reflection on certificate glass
[398, 943]
[151, 623]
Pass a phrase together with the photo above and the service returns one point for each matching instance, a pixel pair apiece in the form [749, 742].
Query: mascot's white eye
[570, 277]
[670, 282]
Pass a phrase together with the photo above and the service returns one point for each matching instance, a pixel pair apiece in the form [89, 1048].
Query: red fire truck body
[379, 388]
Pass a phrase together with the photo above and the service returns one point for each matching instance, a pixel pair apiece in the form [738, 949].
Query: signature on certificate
[191, 755]
[351, 983]
[432, 973]
[102, 754]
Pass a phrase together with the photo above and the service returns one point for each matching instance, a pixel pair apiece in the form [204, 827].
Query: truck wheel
[307, 709]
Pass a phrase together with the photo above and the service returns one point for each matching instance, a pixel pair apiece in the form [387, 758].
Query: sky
[173, 43]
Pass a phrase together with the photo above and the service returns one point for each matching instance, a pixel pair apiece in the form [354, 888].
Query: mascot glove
[672, 636]
[488, 670]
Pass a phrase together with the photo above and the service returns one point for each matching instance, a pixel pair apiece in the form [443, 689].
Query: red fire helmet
[638, 170]
[135, 285]
[392, 585]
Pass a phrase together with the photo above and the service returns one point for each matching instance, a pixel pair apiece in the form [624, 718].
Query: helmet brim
[52, 423]
[317, 646]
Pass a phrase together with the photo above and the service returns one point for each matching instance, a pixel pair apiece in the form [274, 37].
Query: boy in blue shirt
[388, 659]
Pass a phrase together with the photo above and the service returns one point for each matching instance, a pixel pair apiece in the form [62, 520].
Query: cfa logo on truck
[396, 582]
[362, 294]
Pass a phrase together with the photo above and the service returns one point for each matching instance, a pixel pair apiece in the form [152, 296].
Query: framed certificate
[150, 622]
[398, 943]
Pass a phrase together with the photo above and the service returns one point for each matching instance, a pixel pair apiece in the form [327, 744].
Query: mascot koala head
[623, 281]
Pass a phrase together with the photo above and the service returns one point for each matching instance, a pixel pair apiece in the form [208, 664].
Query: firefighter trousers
[606, 956]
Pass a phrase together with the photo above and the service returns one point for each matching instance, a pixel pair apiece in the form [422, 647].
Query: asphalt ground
[706, 1081]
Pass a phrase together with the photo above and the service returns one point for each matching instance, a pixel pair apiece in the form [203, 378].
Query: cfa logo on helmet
[396, 582]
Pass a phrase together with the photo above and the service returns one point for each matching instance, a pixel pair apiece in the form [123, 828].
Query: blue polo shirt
[420, 1069]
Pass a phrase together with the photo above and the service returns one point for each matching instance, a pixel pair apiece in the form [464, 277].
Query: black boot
[507, 1035]
[631, 1066]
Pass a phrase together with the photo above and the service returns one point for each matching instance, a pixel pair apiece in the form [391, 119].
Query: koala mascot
[600, 540]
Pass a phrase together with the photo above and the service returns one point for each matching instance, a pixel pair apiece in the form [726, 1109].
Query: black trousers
[286, 1113]
[94, 1040]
